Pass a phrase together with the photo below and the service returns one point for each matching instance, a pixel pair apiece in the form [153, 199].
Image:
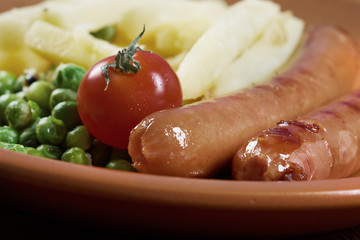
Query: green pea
[34, 152]
[100, 153]
[68, 76]
[28, 138]
[21, 95]
[4, 88]
[3, 144]
[19, 83]
[20, 148]
[50, 130]
[4, 101]
[68, 113]
[106, 33]
[18, 114]
[34, 124]
[40, 92]
[79, 137]
[7, 80]
[36, 111]
[15, 147]
[8, 135]
[50, 151]
[120, 164]
[62, 95]
[75, 155]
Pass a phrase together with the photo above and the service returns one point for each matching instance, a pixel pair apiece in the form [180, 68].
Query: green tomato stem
[124, 61]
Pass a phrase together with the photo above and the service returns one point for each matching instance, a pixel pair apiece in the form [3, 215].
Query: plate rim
[204, 193]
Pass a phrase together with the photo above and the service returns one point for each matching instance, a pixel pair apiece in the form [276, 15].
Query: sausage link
[321, 145]
[199, 140]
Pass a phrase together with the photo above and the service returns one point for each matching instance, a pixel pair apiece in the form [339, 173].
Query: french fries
[15, 55]
[84, 14]
[215, 48]
[172, 27]
[205, 66]
[264, 58]
[59, 45]
[226, 39]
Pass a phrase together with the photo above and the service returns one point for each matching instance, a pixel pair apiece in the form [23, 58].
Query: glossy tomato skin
[110, 115]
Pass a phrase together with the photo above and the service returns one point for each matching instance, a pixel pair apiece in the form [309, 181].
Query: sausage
[324, 144]
[200, 139]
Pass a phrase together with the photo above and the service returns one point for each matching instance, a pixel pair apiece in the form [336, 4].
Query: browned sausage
[323, 144]
[200, 139]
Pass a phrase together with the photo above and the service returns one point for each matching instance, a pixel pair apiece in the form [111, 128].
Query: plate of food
[207, 119]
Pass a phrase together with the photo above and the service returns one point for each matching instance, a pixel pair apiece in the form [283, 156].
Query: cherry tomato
[111, 111]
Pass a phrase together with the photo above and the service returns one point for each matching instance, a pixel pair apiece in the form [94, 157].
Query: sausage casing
[198, 140]
[321, 145]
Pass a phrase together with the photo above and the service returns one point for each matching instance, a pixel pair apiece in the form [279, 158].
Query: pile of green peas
[39, 116]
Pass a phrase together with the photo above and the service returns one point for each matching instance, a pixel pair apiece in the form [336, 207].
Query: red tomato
[111, 114]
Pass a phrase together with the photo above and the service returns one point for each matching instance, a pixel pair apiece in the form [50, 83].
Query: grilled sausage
[323, 144]
[199, 140]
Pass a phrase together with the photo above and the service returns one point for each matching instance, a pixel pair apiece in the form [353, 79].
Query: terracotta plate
[149, 204]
